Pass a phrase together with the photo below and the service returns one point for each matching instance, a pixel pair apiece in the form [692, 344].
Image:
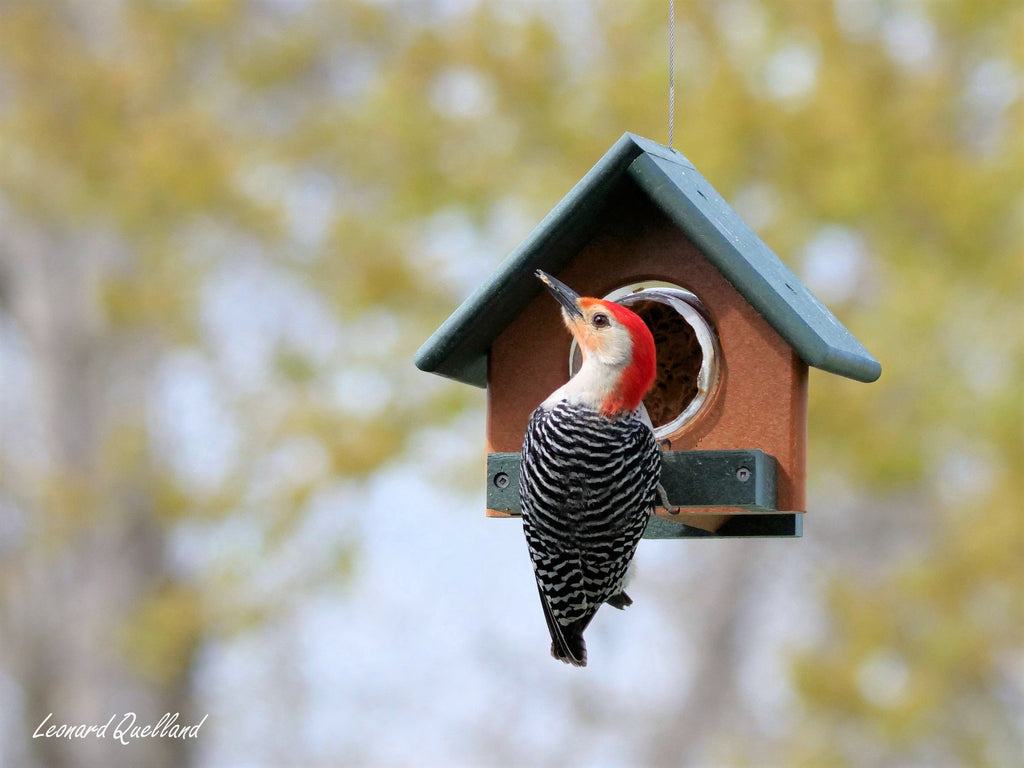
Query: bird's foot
[663, 498]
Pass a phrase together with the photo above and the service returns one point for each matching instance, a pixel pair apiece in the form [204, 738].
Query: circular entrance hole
[687, 350]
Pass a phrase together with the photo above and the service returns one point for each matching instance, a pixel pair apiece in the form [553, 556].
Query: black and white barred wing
[587, 487]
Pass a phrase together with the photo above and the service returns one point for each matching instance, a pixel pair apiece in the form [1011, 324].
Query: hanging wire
[671, 70]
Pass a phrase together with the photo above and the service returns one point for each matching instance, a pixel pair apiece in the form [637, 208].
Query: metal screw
[743, 474]
[501, 480]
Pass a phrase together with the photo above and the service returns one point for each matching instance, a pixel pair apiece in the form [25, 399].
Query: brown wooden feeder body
[761, 398]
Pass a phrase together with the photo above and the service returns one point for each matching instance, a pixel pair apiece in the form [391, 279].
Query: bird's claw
[663, 498]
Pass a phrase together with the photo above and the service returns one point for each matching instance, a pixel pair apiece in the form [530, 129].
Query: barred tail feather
[620, 601]
[567, 643]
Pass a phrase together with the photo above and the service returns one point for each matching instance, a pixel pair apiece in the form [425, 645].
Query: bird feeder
[735, 332]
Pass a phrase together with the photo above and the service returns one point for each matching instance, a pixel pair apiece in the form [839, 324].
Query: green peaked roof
[458, 349]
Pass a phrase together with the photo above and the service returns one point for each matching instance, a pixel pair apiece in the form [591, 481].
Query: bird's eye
[600, 321]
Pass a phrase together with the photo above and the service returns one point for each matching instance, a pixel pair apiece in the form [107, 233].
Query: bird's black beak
[565, 295]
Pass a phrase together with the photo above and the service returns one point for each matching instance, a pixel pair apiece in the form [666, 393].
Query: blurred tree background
[225, 227]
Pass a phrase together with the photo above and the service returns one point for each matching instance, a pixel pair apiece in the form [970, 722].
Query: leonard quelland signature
[123, 729]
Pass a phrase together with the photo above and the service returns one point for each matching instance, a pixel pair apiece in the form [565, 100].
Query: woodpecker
[590, 470]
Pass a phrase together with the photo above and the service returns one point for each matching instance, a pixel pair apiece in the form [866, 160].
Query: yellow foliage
[161, 635]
